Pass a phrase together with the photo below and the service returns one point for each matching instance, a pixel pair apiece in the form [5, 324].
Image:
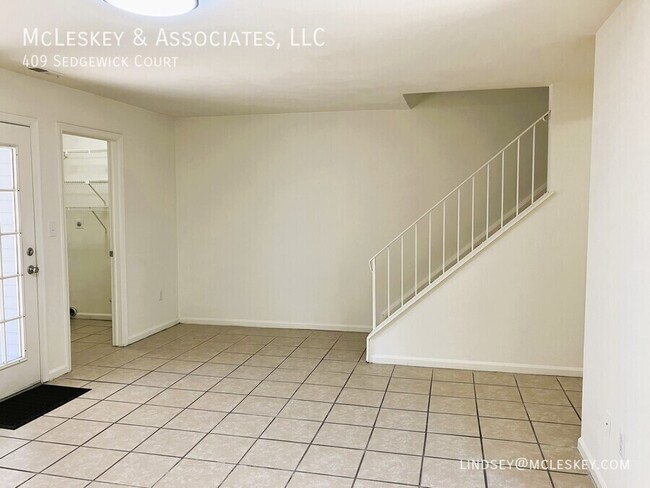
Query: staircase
[470, 217]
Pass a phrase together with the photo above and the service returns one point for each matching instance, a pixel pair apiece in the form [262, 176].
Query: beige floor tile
[107, 411]
[570, 384]
[344, 355]
[444, 473]
[151, 416]
[394, 468]
[276, 389]
[217, 402]
[490, 378]
[72, 408]
[367, 382]
[376, 484]
[167, 442]
[340, 435]
[328, 365]
[406, 401]
[8, 445]
[447, 388]
[442, 423]
[251, 372]
[307, 480]
[503, 410]
[177, 366]
[196, 382]
[122, 375]
[453, 375]
[564, 459]
[453, 447]
[248, 476]
[196, 420]
[74, 432]
[135, 394]
[89, 373]
[35, 456]
[235, 385]
[327, 378]
[139, 470]
[243, 425]
[507, 430]
[230, 358]
[564, 480]
[11, 479]
[553, 414]
[48, 481]
[100, 390]
[496, 392]
[537, 381]
[215, 369]
[289, 375]
[221, 448]
[144, 363]
[412, 372]
[304, 364]
[121, 437]
[292, 430]
[317, 393]
[376, 369]
[408, 385]
[402, 420]
[364, 398]
[454, 405]
[397, 441]
[265, 361]
[353, 414]
[557, 434]
[515, 478]
[267, 453]
[175, 398]
[335, 461]
[164, 380]
[85, 463]
[255, 405]
[305, 410]
[547, 397]
[575, 397]
[190, 473]
[502, 452]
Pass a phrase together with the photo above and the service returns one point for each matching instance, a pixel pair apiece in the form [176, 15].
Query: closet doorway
[88, 237]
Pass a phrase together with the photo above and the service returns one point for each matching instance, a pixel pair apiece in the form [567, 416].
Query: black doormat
[20, 409]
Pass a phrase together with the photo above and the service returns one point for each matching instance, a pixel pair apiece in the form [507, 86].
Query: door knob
[31, 269]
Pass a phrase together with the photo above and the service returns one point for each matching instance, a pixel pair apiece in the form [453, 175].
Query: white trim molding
[475, 365]
[151, 330]
[596, 475]
[276, 324]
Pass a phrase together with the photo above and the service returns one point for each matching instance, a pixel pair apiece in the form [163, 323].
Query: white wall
[149, 180]
[519, 305]
[617, 335]
[279, 214]
[89, 264]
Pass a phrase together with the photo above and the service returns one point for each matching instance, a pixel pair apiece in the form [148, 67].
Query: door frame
[32, 125]
[117, 234]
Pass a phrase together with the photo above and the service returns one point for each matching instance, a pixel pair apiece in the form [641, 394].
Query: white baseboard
[152, 330]
[475, 365]
[596, 475]
[275, 324]
[94, 316]
[55, 373]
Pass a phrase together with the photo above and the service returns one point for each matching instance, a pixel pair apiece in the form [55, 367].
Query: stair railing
[399, 292]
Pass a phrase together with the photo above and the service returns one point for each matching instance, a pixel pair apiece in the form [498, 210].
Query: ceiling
[375, 51]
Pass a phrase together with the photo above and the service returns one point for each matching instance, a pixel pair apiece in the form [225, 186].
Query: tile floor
[206, 406]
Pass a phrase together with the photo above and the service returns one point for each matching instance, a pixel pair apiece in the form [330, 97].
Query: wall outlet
[621, 445]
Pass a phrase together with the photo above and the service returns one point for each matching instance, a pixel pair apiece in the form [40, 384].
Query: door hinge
[111, 254]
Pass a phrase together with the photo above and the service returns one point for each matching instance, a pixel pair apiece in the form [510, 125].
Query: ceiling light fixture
[155, 8]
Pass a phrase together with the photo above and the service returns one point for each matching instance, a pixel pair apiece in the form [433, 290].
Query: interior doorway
[87, 199]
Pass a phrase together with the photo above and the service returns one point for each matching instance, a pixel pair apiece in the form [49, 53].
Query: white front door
[19, 339]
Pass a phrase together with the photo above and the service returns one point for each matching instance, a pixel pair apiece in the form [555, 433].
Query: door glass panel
[11, 315]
